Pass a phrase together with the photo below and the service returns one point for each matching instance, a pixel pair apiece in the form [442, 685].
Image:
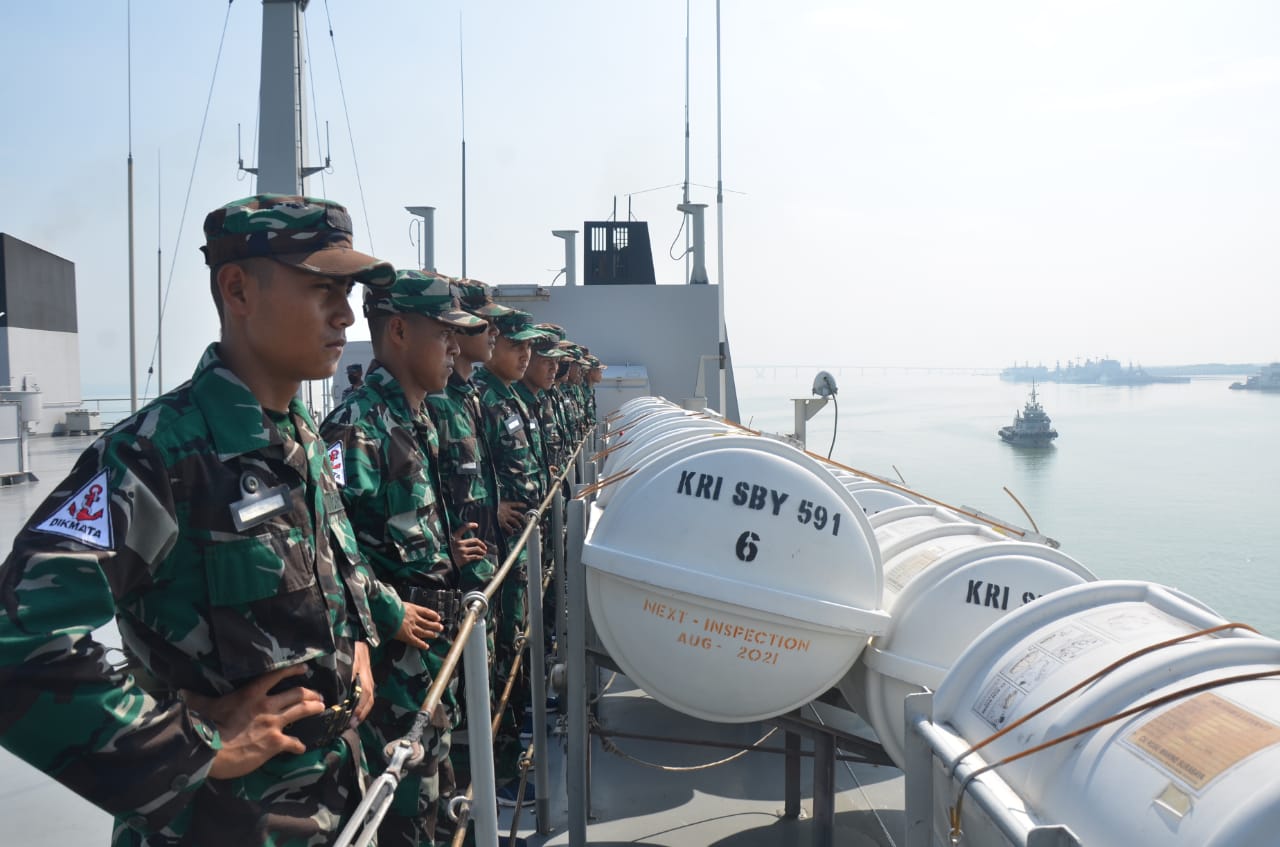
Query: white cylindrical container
[637, 407]
[1199, 771]
[633, 454]
[733, 579]
[946, 580]
[641, 418]
[875, 497]
[656, 421]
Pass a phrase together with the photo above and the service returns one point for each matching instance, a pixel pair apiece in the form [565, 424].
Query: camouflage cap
[517, 326]
[553, 329]
[420, 293]
[305, 232]
[573, 352]
[475, 298]
[595, 364]
[547, 346]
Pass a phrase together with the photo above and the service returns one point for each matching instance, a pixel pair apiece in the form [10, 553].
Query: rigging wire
[687, 251]
[346, 113]
[173, 261]
[315, 111]
[835, 427]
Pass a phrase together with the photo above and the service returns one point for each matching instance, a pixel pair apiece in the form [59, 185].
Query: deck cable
[608, 746]
[186, 202]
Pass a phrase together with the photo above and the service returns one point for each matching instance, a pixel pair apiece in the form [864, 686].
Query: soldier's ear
[232, 284]
[398, 330]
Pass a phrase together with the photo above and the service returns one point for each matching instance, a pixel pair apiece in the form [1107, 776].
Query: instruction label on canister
[1200, 739]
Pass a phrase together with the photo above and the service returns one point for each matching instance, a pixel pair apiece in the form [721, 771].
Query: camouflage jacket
[505, 433]
[384, 458]
[572, 410]
[222, 549]
[541, 440]
[554, 436]
[580, 392]
[470, 486]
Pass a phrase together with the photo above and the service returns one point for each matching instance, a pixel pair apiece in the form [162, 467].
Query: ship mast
[282, 109]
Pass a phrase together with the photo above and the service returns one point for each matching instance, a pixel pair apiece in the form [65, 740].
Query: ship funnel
[570, 269]
[697, 276]
[428, 215]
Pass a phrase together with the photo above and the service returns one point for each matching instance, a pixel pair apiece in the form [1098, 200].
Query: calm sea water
[1178, 484]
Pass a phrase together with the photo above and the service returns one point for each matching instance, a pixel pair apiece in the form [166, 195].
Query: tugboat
[1031, 427]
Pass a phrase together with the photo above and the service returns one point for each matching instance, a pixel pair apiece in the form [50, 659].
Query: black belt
[446, 602]
[319, 731]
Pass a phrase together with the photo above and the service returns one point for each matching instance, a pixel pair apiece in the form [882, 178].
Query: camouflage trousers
[403, 675]
[291, 801]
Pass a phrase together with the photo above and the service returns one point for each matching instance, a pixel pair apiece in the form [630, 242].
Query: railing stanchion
[475, 664]
[557, 548]
[538, 684]
[576, 776]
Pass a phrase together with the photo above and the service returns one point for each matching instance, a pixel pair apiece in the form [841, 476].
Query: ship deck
[737, 804]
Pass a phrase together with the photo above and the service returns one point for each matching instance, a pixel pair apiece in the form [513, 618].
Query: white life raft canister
[733, 579]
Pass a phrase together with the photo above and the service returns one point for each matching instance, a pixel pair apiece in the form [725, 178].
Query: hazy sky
[929, 183]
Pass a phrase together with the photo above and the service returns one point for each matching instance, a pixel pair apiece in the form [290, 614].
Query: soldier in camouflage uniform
[568, 383]
[593, 378]
[466, 468]
[209, 526]
[532, 389]
[384, 450]
[521, 487]
[550, 416]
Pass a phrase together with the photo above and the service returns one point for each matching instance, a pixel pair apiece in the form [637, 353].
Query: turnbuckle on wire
[363, 826]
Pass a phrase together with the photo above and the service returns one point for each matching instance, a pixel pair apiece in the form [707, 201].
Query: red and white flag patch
[336, 462]
[85, 517]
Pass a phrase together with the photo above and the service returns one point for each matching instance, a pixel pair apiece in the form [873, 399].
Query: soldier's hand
[467, 549]
[363, 671]
[251, 721]
[511, 516]
[419, 626]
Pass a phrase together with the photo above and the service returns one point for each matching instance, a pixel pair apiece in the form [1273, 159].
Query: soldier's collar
[380, 380]
[237, 423]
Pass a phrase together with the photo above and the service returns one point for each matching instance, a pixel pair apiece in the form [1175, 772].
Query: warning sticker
[906, 569]
[1200, 739]
[1126, 621]
[1031, 669]
[997, 702]
[1069, 642]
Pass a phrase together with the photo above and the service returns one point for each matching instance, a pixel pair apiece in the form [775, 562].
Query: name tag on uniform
[533, 425]
[469, 468]
[259, 504]
[513, 423]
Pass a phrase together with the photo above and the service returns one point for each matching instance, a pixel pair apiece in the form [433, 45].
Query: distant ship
[1267, 379]
[1025, 373]
[1031, 427]
[1089, 372]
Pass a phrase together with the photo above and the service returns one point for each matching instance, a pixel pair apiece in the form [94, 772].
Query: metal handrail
[407, 750]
